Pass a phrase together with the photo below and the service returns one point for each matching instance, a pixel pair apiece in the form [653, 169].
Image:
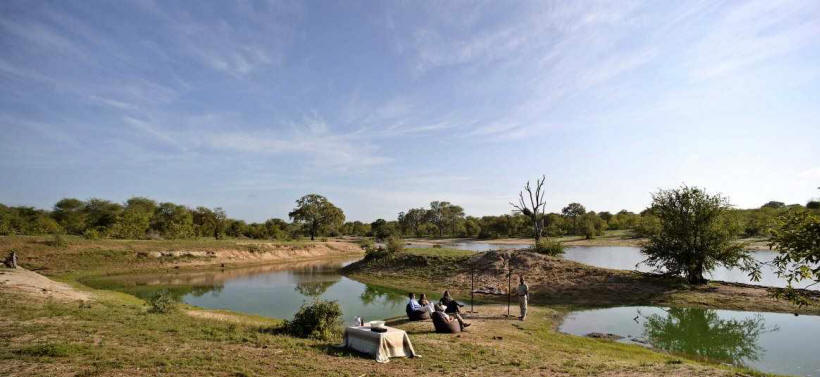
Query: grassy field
[115, 335]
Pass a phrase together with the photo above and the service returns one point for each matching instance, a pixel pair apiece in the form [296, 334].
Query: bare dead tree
[535, 207]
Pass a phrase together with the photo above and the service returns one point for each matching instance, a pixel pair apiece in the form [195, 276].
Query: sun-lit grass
[438, 252]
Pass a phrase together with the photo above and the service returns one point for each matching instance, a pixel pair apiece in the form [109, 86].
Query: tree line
[444, 219]
[144, 218]
[314, 215]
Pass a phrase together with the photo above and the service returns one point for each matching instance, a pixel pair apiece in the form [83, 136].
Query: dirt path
[34, 284]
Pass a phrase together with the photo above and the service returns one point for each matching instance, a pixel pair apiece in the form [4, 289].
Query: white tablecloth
[382, 346]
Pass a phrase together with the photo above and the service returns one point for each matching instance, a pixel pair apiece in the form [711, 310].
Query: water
[625, 258]
[476, 246]
[274, 291]
[769, 342]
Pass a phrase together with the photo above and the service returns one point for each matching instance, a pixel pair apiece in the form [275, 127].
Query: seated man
[416, 312]
[448, 323]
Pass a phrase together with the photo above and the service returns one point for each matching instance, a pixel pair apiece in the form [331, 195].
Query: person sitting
[450, 305]
[415, 312]
[444, 323]
[425, 303]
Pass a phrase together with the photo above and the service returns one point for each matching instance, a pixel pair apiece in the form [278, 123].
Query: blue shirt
[414, 304]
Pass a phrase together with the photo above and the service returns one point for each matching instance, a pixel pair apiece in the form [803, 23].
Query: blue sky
[383, 106]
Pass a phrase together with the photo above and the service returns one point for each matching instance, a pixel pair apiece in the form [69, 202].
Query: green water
[274, 291]
[771, 342]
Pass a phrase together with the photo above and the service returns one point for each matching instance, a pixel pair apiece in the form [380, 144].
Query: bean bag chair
[444, 326]
[416, 315]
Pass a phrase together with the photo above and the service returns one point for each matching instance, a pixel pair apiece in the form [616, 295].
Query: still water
[274, 291]
[770, 342]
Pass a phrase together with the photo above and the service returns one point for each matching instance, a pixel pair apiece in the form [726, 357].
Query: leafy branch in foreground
[797, 238]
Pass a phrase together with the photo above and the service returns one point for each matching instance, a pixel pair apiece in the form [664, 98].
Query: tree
[69, 214]
[573, 211]
[173, 221]
[692, 239]
[317, 214]
[436, 215]
[101, 214]
[813, 204]
[135, 219]
[797, 238]
[774, 204]
[533, 205]
[410, 221]
[452, 215]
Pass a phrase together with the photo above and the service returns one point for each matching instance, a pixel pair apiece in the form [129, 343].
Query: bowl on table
[376, 324]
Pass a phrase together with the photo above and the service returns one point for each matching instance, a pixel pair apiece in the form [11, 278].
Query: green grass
[438, 252]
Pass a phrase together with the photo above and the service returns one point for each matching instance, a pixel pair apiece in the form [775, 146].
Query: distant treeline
[137, 218]
[443, 219]
[143, 218]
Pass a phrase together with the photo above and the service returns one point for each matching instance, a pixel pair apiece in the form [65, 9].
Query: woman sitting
[450, 304]
[415, 312]
[425, 303]
[444, 323]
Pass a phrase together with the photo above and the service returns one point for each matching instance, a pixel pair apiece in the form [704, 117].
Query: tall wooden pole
[509, 288]
[472, 288]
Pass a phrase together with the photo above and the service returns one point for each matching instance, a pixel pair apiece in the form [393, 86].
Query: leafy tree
[813, 204]
[533, 206]
[277, 229]
[692, 239]
[101, 214]
[317, 214]
[572, 211]
[135, 219]
[69, 213]
[410, 221]
[774, 204]
[797, 238]
[173, 221]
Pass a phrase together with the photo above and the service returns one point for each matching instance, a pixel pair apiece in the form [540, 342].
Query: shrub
[394, 245]
[162, 303]
[91, 234]
[436, 246]
[254, 249]
[366, 244]
[57, 240]
[547, 247]
[320, 320]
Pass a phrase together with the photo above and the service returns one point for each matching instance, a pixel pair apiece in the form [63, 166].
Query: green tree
[135, 219]
[173, 221]
[70, 215]
[774, 204]
[101, 214]
[797, 238]
[317, 214]
[692, 239]
[572, 211]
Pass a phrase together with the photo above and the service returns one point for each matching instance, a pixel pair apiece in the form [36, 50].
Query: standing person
[523, 295]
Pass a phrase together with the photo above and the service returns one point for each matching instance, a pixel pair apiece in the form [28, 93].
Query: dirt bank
[35, 285]
[84, 257]
[561, 282]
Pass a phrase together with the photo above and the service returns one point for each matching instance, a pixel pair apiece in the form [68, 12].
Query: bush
[320, 320]
[366, 244]
[162, 303]
[394, 245]
[547, 247]
[91, 234]
[57, 240]
[436, 246]
[49, 350]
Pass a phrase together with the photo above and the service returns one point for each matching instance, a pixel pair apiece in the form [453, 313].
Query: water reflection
[703, 333]
[772, 342]
[273, 290]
